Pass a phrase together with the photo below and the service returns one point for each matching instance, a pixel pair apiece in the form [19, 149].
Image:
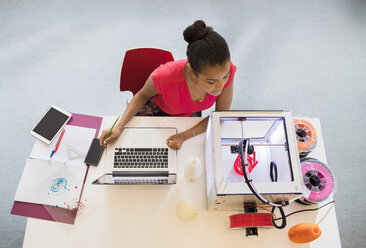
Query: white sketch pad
[37, 183]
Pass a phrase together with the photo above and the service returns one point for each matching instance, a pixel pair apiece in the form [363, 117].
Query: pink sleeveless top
[173, 95]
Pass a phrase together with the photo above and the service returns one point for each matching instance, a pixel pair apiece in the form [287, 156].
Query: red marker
[58, 143]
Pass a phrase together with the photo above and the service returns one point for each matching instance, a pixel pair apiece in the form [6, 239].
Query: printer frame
[223, 195]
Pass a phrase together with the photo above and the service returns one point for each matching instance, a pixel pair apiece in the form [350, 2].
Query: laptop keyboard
[141, 181]
[141, 158]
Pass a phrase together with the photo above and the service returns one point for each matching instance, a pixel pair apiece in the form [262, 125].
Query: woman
[186, 87]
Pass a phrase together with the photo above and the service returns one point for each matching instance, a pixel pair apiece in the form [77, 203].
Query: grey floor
[308, 57]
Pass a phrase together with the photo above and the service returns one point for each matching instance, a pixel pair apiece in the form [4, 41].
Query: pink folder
[53, 213]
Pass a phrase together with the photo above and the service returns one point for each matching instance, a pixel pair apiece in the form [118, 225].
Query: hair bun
[196, 31]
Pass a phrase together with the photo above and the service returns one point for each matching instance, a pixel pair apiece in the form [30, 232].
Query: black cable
[273, 171]
[274, 178]
[283, 217]
[304, 210]
[247, 181]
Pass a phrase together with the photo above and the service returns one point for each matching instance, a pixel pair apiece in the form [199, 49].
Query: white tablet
[50, 124]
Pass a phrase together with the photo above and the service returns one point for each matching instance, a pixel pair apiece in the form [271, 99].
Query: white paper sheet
[57, 181]
[78, 138]
[55, 185]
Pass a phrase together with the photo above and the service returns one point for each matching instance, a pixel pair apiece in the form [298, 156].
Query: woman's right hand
[116, 132]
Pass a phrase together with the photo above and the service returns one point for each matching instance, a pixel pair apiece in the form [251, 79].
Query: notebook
[140, 156]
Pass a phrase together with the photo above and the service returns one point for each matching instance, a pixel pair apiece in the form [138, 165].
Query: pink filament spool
[318, 181]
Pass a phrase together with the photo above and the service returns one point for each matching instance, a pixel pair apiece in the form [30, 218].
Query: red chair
[138, 64]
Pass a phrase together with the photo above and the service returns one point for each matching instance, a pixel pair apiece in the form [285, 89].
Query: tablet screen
[50, 124]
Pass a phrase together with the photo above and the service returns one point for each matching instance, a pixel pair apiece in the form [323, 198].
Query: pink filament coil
[318, 180]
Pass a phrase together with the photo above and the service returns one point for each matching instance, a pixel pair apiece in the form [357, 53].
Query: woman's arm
[137, 101]
[223, 102]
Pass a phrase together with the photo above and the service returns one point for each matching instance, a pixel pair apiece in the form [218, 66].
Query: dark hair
[205, 46]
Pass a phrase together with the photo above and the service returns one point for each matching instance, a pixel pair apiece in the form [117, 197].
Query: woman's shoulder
[170, 72]
[232, 68]
[175, 64]
[232, 72]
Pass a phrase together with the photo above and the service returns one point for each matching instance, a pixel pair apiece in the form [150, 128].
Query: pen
[58, 143]
[110, 130]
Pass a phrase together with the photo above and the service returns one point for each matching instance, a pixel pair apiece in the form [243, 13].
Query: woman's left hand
[175, 141]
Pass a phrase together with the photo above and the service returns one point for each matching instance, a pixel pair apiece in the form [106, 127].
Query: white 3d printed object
[193, 169]
[187, 210]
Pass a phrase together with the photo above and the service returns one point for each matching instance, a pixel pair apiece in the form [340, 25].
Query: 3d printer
[263, 139]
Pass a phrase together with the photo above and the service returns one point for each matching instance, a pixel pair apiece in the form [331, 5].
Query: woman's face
[213, 78]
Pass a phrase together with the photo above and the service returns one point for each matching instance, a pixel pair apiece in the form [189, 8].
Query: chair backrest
[138, 64]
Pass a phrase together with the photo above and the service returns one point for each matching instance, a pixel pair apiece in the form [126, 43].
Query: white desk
[145, 216]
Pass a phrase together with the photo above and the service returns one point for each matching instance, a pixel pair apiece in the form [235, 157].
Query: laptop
[140, 156]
